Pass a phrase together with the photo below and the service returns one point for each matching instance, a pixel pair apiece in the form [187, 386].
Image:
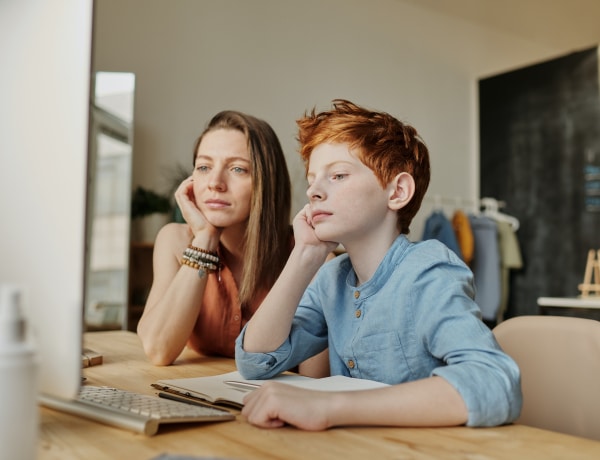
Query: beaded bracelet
[202, 260]
[201, 254]
[206, 251]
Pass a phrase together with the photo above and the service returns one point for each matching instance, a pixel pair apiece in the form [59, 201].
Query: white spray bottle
[19, 412]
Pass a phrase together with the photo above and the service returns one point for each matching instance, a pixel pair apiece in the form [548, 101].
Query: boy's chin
[326, 237]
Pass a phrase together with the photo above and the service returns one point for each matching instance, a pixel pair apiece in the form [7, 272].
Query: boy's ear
[402, 189]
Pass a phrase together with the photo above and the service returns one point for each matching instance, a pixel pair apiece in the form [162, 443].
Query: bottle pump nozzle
[12, 322]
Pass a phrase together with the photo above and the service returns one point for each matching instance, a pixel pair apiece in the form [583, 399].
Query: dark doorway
[539, 132]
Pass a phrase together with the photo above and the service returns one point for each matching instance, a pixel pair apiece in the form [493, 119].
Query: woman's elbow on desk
[158, 355]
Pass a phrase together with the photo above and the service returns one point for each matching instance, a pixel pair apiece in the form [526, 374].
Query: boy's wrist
[337, 406]
[310, 255]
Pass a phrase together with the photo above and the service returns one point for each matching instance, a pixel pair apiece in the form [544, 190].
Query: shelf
[140, 281]
[569, 302]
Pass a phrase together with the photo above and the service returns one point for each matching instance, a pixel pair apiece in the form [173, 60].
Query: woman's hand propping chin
[186, 200]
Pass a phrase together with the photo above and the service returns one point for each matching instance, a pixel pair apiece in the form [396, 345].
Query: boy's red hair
[384, 144]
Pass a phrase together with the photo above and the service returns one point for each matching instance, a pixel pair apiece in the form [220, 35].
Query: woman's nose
[216, 181]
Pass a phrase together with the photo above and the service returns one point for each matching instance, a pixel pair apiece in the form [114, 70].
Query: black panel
[539, 127]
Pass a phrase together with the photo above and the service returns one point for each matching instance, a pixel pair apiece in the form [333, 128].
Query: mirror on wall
[109, 192]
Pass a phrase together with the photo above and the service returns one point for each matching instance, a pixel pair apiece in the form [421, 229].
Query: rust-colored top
[221, 317]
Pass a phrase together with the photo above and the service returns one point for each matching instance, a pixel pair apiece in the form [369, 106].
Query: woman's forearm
[169, 318]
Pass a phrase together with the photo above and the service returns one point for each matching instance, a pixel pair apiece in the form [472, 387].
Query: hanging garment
[486, 266]
[464, 235]
[438, 227]
[510, 259]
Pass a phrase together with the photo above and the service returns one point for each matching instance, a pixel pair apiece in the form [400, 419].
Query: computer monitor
[45, 50]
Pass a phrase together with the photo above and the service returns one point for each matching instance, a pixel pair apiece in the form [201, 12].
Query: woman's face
[223, 177]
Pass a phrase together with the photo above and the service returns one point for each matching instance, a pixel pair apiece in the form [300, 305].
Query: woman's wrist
[206, 241]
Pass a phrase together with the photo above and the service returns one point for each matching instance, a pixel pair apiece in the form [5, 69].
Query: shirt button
[357, 313]
[356, 294]
[351, 364]
[236, 317]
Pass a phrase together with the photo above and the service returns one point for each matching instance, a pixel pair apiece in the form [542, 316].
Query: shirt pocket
[381, 356]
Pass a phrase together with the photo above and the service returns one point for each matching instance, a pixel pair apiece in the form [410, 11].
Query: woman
[212, 273]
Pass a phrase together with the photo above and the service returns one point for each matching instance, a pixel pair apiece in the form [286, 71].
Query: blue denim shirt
[413, 319]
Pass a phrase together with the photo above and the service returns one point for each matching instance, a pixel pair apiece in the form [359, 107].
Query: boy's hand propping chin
[304, 232]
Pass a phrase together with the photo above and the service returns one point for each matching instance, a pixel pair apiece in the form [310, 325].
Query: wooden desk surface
[65, 437]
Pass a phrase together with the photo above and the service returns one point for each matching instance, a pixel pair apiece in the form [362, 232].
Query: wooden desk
[65, 437]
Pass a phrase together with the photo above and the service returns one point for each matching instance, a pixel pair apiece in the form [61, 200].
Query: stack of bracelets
[200, 259]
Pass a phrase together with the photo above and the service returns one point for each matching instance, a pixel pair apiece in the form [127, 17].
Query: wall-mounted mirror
[108, 226]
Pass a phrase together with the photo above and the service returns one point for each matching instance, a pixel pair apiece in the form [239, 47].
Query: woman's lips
[216, 204]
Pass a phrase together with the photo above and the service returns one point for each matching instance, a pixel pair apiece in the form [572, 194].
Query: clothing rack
[487, 206]
[491, 208]
[439, 201]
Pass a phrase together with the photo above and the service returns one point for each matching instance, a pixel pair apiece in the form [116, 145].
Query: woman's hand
[184, 195]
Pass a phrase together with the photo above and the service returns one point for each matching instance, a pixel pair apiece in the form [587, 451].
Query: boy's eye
[339, 176]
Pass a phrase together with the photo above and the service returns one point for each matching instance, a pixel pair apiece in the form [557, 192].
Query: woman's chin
[224, 221]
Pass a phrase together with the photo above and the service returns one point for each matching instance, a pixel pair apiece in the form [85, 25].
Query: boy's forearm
[271, 324]
[427, 402]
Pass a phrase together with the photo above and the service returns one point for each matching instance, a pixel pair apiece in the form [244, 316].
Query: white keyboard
[135, 411]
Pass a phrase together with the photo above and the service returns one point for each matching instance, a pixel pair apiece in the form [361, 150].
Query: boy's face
[346, 200]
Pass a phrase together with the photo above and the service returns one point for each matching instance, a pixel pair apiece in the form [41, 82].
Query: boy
[390, 310]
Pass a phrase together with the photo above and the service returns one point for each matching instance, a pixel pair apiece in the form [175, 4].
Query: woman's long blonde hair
[268, 233]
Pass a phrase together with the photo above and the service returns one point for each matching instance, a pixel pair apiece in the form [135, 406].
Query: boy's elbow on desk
[252, 366]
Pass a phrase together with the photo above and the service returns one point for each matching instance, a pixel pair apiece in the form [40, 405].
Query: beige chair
[559, 358]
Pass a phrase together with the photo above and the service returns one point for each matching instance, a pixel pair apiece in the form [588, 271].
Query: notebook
[229, 389]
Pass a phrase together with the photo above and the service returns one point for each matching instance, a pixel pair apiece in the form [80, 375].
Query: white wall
[275, 59]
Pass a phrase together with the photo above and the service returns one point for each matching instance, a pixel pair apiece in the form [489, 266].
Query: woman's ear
[402, 189]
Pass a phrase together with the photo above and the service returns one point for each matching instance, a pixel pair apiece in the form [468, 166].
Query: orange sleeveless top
[221, 317]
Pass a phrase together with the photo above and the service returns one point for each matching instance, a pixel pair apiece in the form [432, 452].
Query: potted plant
[149, 212]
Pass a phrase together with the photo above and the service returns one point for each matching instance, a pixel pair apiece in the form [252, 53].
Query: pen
[244, 386]
[173, 397]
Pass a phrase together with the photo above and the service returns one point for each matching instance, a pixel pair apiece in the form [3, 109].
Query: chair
[559, 358]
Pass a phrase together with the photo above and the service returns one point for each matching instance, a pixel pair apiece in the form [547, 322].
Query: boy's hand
[274, 404]
[304, 233]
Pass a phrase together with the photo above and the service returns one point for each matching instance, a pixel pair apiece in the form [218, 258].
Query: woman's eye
[338, 177]
[202, 168]
[239, 170]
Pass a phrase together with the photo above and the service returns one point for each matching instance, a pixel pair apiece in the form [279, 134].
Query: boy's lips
[319, 215]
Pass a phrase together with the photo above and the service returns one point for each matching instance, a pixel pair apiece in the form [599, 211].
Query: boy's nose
[314, 193]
